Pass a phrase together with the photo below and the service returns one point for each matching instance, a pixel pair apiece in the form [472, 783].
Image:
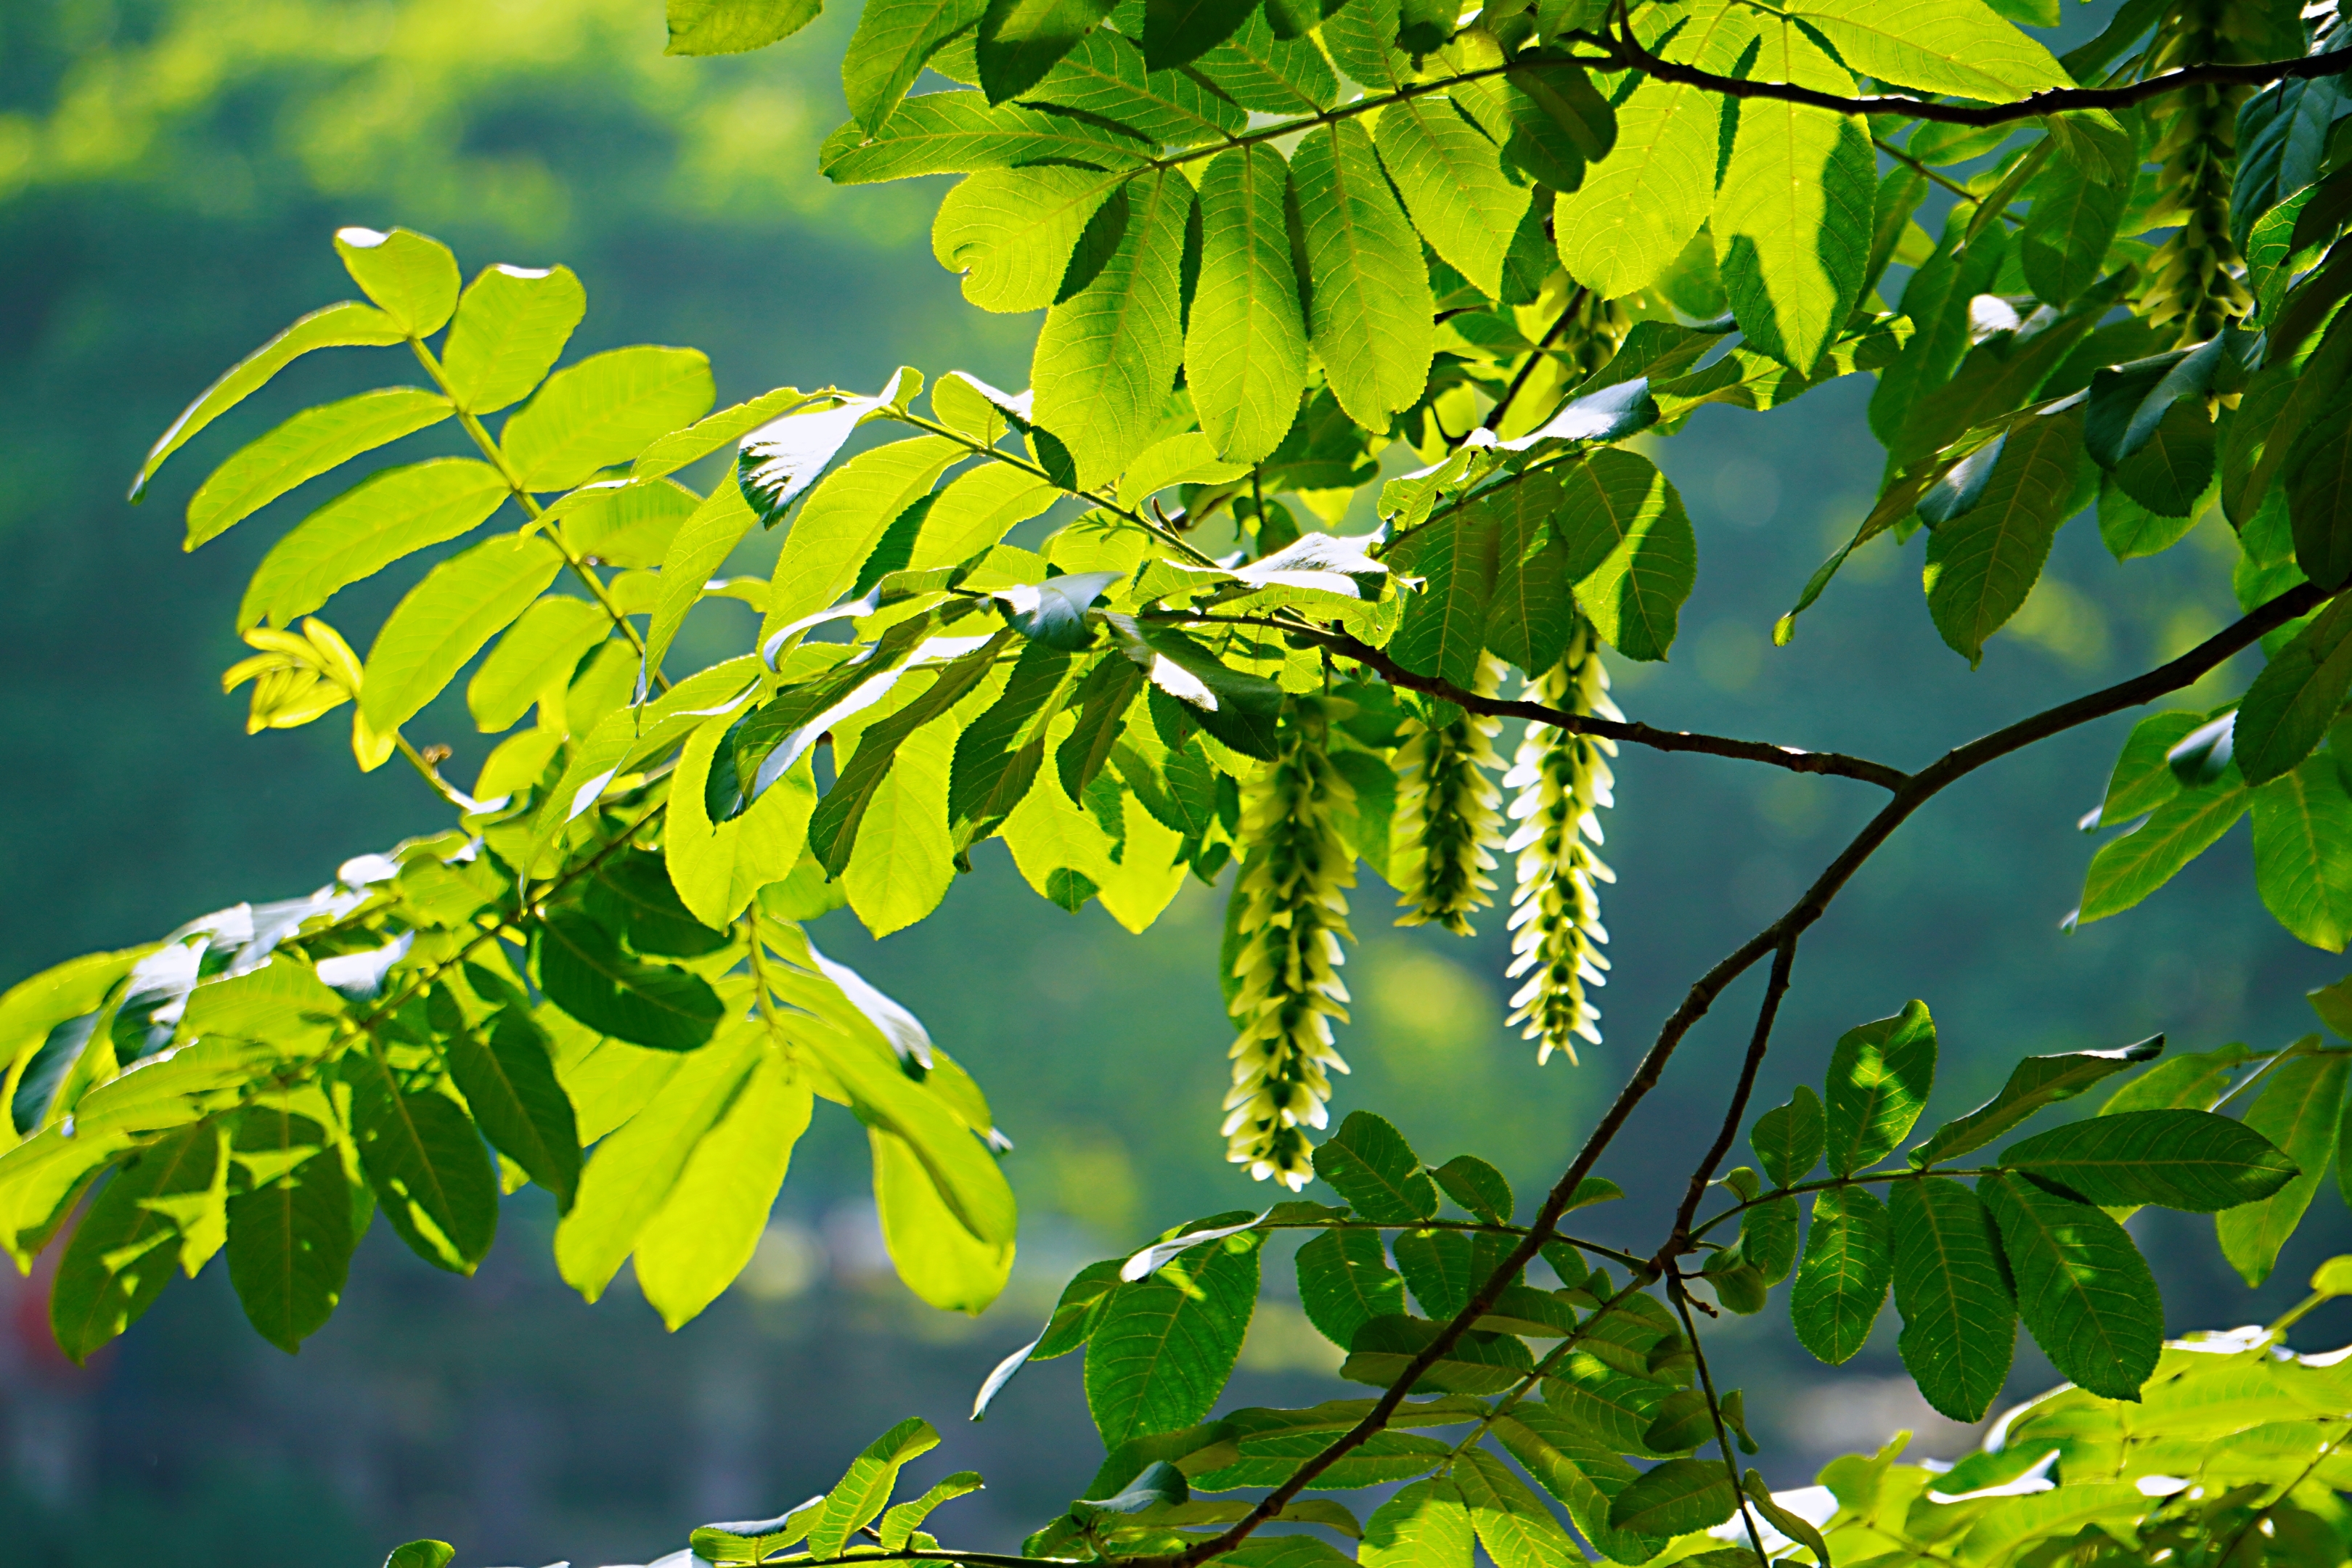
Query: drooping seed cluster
[1293, 913]
[1449, 813]
[1562, 779]
[2196, 279]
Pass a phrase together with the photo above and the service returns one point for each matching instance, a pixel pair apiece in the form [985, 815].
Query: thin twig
[1775, 987]
[1628, 54]
[1681, 1302]
[1493, 420]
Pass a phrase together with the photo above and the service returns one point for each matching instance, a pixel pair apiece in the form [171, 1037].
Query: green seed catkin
[1449, 814]
[1292, 891]
[1562, 779]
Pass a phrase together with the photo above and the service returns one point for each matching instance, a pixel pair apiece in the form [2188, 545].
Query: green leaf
[1443, 1266]
[1177, 32]
[2035, 1084]
[2182, 1159]
[583, 970]
[1982, 563]
[348, 324]
[844, 519]
[1011, 231]
[1245, 347]
[412, 275]
[1368, 303]
[1937, 300]
[1959, 1322]
[1477, 1363]
[445, 620]
[857, 1499]
[1370, 1164]
[700, 545]
[1110, 349]
[289, 1233]
[1550, 120]
[2083, 1288]
[1684, 1421]
[2175, 469]
[633, 1170]
[2129, 869]
[1597, 1397]
[1621, 514]
[1477, 1186]
[1444, 627]
[2299, 1112]
[1423, 1525]
[732, 27]
[134, 1234]
[2142, 780]
[509, 1086]
[426, 1163]
[1768, 1238]
[1511, 1522]
[1789, 1139]
[385, 517]
[998, 754]
[540, 651]
[1345, 1281]
[1453, 186]
[2064, 245]
[1161, 1351]
[305, 446]
[1105, 78]
[2303, 852]
[893, 40]
[1792, 220]
[512, 323]
[604, 411]
[1952, 46]
[1575, 1467]
[833, 830]
[750, 1540]
[1020, 40]
[2286, 712]
[1879, 1077]
[900, 1523]
[421, 1554]
[2195, 1082]
[1676, 1497]
[1848, 1265]
[1102, 699]
[1639, 207]
[956, 132]
[710, 1222]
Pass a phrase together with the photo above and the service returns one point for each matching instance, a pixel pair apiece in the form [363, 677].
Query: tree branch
[1650, 735]
[1629, 54]
[1775, 987]
[1915, 792]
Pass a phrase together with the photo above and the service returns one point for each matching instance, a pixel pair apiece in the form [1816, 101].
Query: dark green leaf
[426, 1162]
[1177, 32]
[2190, 1160]
[2033, 1084]
[1676, 1497]
[1983, 563]
[1370, 1164]
[584, 970]
[2299, 1113]
[997, 756]
[289, 1233]
[2127, 869]
[1054, 612]
[133, 1237]
[1879, 1077]
[509, 1086]
[2303, 852]
[2175, 469]
[2142, 781]
[2083, 1288]
[1102, 699]
[2287, 710]
[2064, 245]
[632, 894]
[1020, 40]
[1684, 1421]
[1477, 1363]
[1477, 1186]
[1842, 1282]
[1959, 1322]
[1345, 1281]
[1789, 1139]
[1768, 1238]
[833, 828]
[1445, 625]
[1161, 1349]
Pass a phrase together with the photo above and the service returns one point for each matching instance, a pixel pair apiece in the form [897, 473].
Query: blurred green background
[170, 172]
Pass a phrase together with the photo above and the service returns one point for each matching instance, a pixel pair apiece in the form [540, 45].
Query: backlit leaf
[305, 446]
[2083, 1288]
[1842, 1282]
[1879, 1077]
[1959, 1324]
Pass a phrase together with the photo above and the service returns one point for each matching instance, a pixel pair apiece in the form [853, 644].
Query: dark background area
[170, 172]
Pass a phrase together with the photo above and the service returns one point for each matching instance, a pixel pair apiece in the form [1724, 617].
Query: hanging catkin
[1294, 911]
[1562, 779]
[2196, 279]
[1449, 813]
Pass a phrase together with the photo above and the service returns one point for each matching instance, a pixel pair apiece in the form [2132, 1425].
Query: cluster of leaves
[1272, 244]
